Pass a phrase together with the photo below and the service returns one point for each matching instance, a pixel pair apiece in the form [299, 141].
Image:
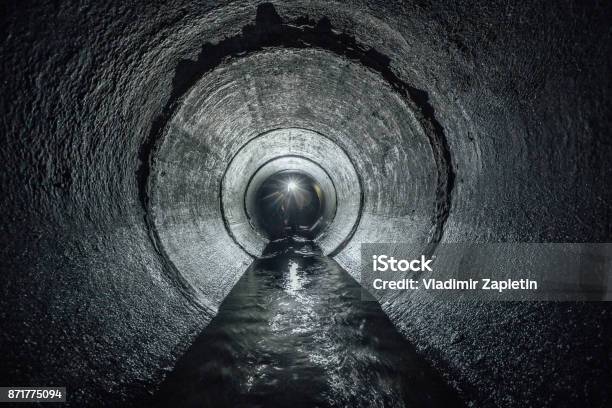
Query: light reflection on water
[294, 333]
[294, 281]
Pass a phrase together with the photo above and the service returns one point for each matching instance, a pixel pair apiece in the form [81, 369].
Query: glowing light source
[292, 186]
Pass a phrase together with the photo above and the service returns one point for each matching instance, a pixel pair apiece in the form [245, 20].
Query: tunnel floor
[294, 331]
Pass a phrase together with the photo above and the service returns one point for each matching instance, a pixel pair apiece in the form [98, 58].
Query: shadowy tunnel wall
[466, 122]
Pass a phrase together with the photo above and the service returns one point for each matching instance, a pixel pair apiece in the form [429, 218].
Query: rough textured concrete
[473, 121]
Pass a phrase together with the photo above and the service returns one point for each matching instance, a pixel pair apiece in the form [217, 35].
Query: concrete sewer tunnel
[144, 146]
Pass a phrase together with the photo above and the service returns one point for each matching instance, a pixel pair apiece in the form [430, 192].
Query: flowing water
[294, 332]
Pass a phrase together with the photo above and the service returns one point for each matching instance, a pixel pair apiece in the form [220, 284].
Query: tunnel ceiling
[124, 126]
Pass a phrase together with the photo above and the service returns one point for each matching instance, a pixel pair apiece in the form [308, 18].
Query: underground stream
[295, 331]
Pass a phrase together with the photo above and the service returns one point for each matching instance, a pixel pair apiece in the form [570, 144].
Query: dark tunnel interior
[289, 204]
[187, 186]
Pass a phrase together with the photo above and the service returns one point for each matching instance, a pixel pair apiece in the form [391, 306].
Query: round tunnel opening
[291, 150]
[289, 203]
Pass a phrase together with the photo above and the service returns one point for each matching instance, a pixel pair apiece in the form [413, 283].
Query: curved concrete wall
[467, 122]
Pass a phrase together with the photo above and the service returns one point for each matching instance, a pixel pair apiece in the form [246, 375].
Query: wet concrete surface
[295, 332]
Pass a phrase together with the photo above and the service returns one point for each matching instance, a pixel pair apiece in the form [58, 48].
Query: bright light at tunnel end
[292, 185]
